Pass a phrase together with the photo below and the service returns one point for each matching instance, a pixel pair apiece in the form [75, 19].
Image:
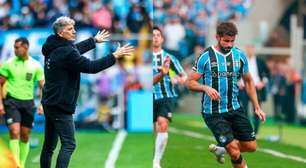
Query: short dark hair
[158, 29]
[227, 28]
[23, 40]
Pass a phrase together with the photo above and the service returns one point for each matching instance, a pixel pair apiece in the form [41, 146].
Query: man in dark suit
[62, 68]
[260, 74]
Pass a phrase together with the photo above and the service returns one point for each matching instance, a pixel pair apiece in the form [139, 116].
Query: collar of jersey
[216, 51]
[160, 52]
[18, 59]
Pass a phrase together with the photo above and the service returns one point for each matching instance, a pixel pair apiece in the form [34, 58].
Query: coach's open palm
[102, 36]
[260, 114]
[124, 50]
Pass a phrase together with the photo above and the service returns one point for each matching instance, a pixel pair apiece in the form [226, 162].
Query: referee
[20, 73]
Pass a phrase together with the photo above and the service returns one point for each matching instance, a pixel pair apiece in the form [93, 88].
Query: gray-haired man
[63, 65]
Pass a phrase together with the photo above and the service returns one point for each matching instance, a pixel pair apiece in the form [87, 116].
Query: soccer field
[93, 149]
[187, 148]
[189, 139]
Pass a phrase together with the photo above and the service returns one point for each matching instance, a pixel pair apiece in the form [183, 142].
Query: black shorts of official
[19, 111]
[229, 126]
[163, 108]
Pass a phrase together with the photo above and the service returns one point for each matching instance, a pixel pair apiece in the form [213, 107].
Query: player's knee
[24, 137]
[15, 133]
[233, 151]
[163, 127]
[252, 147]
[235, 154]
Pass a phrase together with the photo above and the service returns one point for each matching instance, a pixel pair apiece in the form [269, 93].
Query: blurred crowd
[285, 87]
[185, 22]
[115, 15]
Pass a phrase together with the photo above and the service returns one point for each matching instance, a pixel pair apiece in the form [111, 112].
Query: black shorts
[229, 126]
[162, 107]
[19, 111]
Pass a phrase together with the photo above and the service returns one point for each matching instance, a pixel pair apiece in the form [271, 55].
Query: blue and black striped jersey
[222, 73]
[164, 88]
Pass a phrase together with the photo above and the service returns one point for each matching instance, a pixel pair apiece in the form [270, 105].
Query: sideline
[114, 153]
[211, 138]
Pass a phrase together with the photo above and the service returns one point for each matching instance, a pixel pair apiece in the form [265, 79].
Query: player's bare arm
[41, 85]
[193, 84]
[163, 71]
[179, 79]
[251, 91]
[2, 81]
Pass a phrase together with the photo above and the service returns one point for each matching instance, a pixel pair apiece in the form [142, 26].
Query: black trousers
[58, 123]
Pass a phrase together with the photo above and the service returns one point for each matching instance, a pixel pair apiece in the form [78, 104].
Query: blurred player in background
[163, 92]
[21, 73]
[260, 75]
[221, 66]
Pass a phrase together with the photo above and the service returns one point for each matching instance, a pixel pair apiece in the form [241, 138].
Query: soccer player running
[221, 66]
[163, 92]
[21, 72]
[63, 65]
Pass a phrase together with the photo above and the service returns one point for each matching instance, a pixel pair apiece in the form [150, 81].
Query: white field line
[114, 153]
[211, 138]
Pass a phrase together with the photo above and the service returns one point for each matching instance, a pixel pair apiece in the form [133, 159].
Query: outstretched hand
[124, 50]
[102, 36]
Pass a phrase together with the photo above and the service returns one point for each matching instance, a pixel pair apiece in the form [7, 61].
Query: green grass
[137, 151]
[93, 148]
[183, 151]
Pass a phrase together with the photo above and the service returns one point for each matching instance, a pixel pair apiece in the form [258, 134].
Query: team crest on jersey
[222, 139]
[169, 115]
[214, 64]
[253, 134]
[9, 121]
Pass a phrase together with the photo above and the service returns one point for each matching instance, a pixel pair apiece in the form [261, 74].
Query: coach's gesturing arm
[79, 63]
[193, 84]
[251, 91]
[86, 45]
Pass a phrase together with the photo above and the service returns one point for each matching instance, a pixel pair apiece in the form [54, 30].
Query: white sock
[220, 150]
[246, 166]
[160, 146]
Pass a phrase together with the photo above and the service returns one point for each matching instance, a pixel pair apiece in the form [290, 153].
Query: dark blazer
[62, 68]
[263, 72]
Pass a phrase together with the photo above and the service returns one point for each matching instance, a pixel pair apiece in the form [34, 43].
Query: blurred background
[277, 37]
[272, 31]
[116, 99]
